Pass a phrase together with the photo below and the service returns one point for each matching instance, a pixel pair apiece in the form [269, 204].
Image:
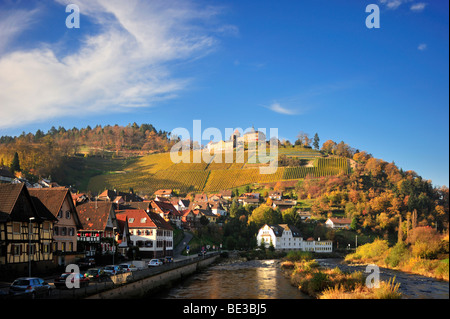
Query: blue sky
[310, 66]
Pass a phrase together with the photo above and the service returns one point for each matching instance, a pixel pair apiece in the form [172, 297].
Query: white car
[128, 267]
[154, 262]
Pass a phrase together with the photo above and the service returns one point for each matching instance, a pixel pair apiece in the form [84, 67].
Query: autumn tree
[329, 147]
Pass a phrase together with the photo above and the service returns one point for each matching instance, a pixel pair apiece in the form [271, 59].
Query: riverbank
[412, 286]
[398, 258]
[332, 283]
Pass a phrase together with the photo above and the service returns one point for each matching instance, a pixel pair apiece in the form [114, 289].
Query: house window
[130, 220]
[68, 214]
[60, 214]
[46, 248]
[70, 246]
[16, 228]
[46, 226]
[16, 249]
[143, 220]
[63, 231]
[63, 246]
[149, 243]
[56, 230]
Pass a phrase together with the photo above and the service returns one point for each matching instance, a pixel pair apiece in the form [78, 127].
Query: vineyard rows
[149, 174]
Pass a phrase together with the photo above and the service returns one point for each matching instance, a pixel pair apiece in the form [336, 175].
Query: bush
[298, 255]
[425, 242]
[442, 269]
[397, 254]
[370, 252]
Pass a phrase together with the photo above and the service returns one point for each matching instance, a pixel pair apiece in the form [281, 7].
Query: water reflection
[242, 280]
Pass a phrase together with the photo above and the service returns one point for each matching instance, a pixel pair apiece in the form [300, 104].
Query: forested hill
[42, 154]
[334, 178]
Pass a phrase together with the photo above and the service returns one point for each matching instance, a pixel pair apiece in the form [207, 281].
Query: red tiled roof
[94, 215]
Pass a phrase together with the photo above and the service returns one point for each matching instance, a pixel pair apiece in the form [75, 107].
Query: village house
[226, 194]
[5, 175]
[26, 231]
[167, 211]
[167, 193]
[283, 204]
[190, 219]
[275, 195]
[60, 203]
[181, 204]
[217, 208]
[338, 223]
[111, 195]
[304, 215]
[99, 227]
[148, 231]
[208, 214]
[288, 237]
[198, 198]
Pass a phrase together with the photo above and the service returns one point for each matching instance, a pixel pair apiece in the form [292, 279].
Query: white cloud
[418, 7]
[276, 107]
[395, 4]
[392, 4]
[126, 65]
[422, 47]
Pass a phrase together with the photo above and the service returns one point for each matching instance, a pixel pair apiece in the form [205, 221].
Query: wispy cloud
[14, 22]
[395, 4]
[422, 47]
[392, 4]
[125, 66]
[276, 107]
[418, 7]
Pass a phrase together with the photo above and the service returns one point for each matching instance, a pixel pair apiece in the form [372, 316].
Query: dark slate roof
[279, 228]
[17, 204]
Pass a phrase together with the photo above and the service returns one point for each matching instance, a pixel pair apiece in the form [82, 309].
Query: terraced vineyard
[152, 172]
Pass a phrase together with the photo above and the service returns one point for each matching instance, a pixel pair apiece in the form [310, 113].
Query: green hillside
[148, 173]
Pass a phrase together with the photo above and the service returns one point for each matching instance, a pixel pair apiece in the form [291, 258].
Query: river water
[256, 279]
[263, 279]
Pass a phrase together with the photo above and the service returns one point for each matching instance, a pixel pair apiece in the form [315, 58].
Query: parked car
[154, 263]
[128, 267]
[30, 287]
[169, 259]
[96, 274]
[87, 262]
[60, 282]
[113, 270]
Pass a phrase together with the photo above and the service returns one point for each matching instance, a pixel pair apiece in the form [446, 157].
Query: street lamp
[113, 245]
[29, 245]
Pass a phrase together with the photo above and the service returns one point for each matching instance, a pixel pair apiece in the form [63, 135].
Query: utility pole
[29, 245]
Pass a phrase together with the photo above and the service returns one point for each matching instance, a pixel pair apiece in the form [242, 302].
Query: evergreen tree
[15, 165]
[316, 141]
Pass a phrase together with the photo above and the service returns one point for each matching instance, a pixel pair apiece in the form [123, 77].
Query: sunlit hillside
[152, 172]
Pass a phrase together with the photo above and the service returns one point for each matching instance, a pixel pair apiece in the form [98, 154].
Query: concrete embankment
[135, 285]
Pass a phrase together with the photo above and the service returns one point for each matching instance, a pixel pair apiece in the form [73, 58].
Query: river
[263, 279]
[255, 279]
